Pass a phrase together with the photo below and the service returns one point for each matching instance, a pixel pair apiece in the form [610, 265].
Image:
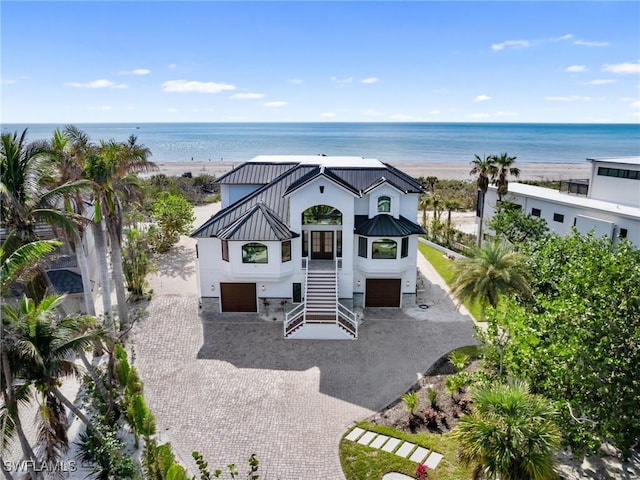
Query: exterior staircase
[321, 315]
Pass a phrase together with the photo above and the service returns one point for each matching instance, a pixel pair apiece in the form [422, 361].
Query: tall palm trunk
[101, 250]
[12, 405]
[81, 256]
[118, 278]
[481, 220]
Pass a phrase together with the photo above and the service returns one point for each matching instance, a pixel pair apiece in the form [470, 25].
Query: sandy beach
[445, 171]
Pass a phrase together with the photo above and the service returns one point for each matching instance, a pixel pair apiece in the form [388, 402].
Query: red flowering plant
[421, 471]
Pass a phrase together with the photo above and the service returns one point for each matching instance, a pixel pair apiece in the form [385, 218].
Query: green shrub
[411, 401]
[459, 360]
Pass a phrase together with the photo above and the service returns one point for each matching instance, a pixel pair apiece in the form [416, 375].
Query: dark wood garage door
[383, 292]
[238, 297]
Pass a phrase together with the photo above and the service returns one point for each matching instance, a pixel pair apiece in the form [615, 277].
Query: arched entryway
[322, 232]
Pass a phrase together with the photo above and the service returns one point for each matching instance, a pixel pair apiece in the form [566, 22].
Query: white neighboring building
[607, 204]
[315, 234]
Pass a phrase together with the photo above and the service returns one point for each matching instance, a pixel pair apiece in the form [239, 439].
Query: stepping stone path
[395, 445]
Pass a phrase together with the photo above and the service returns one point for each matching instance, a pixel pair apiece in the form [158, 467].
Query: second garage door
[383, 292]
[238, 297]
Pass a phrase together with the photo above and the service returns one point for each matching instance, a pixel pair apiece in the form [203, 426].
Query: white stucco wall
[571, 214]
[384, 190]
[337, 197]
[624, 191]
[232, 193]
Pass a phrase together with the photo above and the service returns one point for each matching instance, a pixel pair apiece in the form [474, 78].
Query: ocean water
[389, 142]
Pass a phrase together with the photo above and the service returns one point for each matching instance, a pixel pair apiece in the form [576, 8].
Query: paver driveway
[230, 385]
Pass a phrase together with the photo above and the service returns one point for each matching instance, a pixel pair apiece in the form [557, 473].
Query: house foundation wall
[210, 304]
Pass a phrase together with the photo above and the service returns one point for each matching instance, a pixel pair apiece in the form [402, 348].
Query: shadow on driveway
[372, 371]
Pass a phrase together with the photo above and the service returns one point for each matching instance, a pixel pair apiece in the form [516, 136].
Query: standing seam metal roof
[257, 223]
[270, 194]
[384, 225]
[255, 173]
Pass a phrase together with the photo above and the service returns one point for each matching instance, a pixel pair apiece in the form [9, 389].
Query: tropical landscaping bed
[427, 424]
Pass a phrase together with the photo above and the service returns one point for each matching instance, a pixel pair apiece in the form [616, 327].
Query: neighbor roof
[621, 160]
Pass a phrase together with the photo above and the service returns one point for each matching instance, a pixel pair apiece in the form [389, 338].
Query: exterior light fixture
[263, 288]
[408, 283]
[213, 287]
[321, 188]
[358, 283]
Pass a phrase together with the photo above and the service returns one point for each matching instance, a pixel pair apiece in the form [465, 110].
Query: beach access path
[231, 385]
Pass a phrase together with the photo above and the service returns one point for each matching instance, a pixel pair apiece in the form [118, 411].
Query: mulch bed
[439, 418]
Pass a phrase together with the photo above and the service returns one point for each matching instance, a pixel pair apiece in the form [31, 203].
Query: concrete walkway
[230, 385]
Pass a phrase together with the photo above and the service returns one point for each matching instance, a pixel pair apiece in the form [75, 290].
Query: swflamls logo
[30, 465]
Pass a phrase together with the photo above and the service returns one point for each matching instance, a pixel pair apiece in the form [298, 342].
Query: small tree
[136, 261]
[174, 217]
[516, 227]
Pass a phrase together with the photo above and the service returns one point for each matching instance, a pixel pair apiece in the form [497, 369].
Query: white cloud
[6, 81]
[328, 115]
[182, 86]
[506, 114]
[373, 113]
[479, 115]
[434, 112]
[568, 36]
[622, 68]
[599, 81]
[172, 110]
[482, 98]
[296, 81]
[137, 71]
[275, 104]
[512, 44]
[97, 84]
[635, 104]
[102, 108]
[247, 96]
[342, 81]
[130, 108]
[570, 98]
[370, 80]
[576, 68]
[402, 117]
[591, 44]
[172, 65]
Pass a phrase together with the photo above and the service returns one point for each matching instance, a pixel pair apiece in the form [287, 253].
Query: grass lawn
[444, 267]
[365, 463]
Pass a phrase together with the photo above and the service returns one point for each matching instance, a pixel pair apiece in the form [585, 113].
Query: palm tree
[27, 197]
[503, 166]
[492, 271]
[511, 434]
[86, 153]
[482, 167]
[40, 347]
[70, 170]
[431, 182]
[450, 206]
[112, 171]
[423, 204]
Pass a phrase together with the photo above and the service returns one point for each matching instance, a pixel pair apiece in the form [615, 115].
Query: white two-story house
[314, 235]
[606, 204]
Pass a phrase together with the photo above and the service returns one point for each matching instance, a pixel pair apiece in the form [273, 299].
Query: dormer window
[384, 204]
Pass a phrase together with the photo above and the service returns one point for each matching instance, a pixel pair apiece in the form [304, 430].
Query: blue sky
[320, 61]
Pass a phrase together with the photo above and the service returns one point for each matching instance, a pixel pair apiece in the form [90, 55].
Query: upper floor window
[535, 212]
[254, 253]
[322, 215]
[558, 217]
[619, 172]
[384, 204]
[404, 250]
[362, 247]
[385, 248]
[286, 251]
[225, 250]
